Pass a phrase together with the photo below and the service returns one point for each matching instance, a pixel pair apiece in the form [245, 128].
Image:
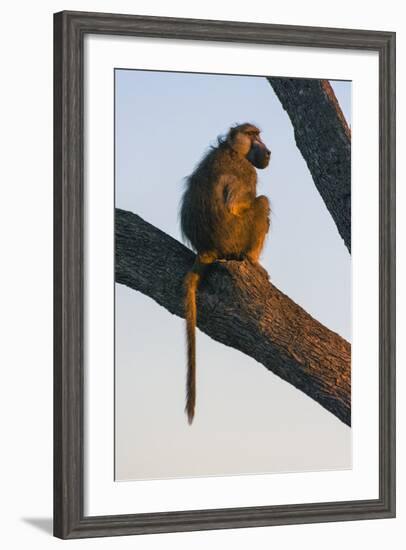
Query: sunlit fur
[222, 218]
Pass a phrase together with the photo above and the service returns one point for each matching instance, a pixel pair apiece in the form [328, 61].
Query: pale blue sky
[164, 124]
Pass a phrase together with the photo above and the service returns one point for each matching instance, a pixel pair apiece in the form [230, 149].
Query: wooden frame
[69, 519]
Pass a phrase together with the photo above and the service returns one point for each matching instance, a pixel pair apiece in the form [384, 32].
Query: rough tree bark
[238, 306]
[324, 139]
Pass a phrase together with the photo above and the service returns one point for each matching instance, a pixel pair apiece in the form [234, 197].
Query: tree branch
[324, 139]
[239, 307]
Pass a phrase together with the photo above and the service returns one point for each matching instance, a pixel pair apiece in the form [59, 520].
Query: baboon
[223, 219]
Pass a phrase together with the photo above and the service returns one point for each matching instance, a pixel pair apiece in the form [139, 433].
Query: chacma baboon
[223, 219]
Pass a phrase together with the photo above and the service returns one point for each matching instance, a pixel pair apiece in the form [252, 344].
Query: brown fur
[222, 218]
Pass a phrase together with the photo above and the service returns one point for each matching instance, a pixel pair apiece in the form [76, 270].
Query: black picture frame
[69, 31]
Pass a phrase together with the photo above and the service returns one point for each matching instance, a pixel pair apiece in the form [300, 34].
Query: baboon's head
[245, 140]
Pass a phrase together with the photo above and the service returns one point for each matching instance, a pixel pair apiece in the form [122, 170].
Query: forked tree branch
[238, 306]
[324, 139]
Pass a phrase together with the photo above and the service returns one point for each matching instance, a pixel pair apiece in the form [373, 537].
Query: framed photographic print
[224, 274]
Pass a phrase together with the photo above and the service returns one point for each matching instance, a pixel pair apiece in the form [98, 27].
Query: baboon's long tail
[192, 281]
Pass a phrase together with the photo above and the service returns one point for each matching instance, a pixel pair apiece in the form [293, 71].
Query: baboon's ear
[239, 142]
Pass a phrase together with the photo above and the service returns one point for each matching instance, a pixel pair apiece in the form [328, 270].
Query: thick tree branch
[239, 307]
[324, 139]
